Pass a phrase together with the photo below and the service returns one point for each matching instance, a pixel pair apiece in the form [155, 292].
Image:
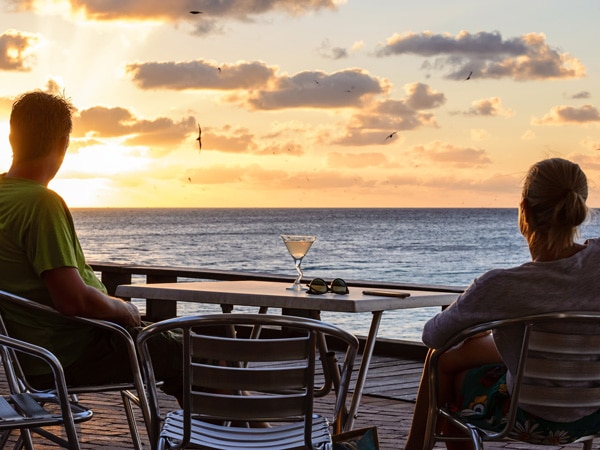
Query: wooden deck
[387, 403]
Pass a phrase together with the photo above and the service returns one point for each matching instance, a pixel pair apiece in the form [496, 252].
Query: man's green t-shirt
[37, 233]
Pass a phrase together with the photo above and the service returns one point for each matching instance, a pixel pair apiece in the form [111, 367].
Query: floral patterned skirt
[486, 402]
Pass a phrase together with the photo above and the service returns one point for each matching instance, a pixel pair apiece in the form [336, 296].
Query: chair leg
[128, 398]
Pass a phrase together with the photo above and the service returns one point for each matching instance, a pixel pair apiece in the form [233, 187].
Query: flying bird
[199, 138]
[390, 136]
[195, 12]
[469, 76]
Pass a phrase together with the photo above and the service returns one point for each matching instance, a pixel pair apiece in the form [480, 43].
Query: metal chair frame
[29, 411]
[130, 392]
[244, 380]
[539, 335]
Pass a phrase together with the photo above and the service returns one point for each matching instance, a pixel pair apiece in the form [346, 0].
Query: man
[42, 260]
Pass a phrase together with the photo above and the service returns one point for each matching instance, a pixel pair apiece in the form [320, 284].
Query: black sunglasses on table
[320, 286]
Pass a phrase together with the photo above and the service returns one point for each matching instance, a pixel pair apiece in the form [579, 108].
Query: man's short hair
[37, 122]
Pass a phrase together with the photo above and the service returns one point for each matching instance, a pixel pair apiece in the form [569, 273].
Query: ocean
[430, 246]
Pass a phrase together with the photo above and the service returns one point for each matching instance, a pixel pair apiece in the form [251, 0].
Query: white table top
[275, 294]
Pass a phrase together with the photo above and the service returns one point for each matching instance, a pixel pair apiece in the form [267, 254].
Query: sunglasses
[320, 286]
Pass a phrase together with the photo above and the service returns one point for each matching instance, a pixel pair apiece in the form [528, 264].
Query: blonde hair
[554, 193]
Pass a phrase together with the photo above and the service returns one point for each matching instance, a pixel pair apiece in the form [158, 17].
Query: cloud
[178, 10]
[16, 50]
[450, 155]
[230, 140]
[200, 74]
[102, 122]
[487, 55]
[263, 88]
[561, 115]
[377, 121]
[329, 52]
[421, 96]
[315, 89]
[581, 95]
[489, 107]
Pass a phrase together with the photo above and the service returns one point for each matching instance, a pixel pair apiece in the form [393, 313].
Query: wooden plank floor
[387, 403]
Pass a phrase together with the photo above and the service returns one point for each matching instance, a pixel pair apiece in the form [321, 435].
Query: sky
[314, 103]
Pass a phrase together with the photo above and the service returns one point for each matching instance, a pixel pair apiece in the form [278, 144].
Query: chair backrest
[554, 359]
[265, 379]
[558, 367]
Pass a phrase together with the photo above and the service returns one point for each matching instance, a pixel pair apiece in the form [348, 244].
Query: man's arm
[72, 297]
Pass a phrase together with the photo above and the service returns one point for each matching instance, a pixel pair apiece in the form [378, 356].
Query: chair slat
[559, 396]
[252, 350]
[247, 407]
[254, 379]
[578, 344]
[29, 407]
[553, 369]
[7, 413]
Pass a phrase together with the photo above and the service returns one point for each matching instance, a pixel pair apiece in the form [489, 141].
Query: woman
[563, 275]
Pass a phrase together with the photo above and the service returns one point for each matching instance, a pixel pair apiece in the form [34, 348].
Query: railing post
[160, 309]
[112, 279]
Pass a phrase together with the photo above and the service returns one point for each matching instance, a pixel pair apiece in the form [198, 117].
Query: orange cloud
[16, 49]
[448, 154]
[100, 121]
[315, 89]
[562, 115]
[200, 74]
[486, 55]
[488, 107]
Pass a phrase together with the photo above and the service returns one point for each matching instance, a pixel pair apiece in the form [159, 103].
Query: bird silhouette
[469, 76]
[199, 138]
[390, 136]
[195, 12]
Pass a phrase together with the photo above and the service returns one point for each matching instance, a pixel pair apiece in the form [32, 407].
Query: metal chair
[559, 367]
[232, 384]
[30, 411]
[130, 392]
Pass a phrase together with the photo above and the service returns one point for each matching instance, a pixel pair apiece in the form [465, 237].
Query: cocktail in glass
[298, 247]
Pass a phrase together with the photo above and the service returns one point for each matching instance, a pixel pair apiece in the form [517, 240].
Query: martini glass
[298, 247]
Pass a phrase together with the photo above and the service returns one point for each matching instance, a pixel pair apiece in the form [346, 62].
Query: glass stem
[299, 270]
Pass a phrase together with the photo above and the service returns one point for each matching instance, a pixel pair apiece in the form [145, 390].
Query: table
[264, 294]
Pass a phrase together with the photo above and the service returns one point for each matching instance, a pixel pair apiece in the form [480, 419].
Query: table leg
[363, 369]
[256, 328]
